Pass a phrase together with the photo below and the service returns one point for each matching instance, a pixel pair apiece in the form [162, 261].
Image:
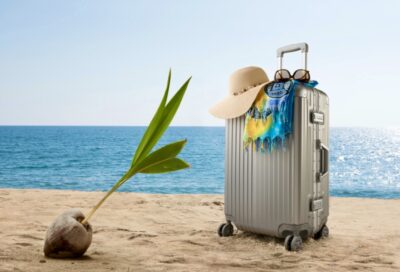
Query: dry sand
[143, 232]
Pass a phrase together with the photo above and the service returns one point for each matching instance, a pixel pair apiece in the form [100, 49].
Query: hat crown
[246, 78]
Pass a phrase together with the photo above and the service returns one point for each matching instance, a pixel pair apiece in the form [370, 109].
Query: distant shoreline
[176, 194]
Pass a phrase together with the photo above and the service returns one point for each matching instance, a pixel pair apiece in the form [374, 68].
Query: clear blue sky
[106, 62]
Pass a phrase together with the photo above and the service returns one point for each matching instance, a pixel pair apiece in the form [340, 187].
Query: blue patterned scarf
[270, 119]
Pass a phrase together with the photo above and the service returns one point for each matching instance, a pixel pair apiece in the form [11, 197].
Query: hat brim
[236, 105]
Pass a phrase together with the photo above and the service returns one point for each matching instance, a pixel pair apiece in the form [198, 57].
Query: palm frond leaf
[165, 166]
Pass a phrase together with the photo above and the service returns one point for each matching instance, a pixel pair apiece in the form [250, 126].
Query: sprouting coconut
[70, 235]
[67, 237]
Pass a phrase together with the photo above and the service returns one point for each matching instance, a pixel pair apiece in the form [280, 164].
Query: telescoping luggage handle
[303, 47]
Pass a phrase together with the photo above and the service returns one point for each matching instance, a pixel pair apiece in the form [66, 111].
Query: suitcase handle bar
[292, 48]
[324, 159]
[303, 47]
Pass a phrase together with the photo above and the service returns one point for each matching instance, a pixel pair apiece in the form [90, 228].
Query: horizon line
[205, 126]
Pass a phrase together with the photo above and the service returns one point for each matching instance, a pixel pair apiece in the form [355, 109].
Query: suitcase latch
[317, 204]
[317, 117]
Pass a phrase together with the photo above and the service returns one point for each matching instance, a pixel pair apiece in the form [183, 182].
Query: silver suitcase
[284, 193]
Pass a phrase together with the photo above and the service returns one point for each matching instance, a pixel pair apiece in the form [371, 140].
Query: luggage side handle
[303, 47]
[324, 159]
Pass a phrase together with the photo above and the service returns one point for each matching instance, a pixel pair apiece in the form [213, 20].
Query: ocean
[364, 162]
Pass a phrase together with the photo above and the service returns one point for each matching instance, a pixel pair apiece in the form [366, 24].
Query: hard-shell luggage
[284, 193]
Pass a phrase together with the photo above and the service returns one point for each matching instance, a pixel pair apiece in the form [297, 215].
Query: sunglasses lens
[282, 75]
[302, 75]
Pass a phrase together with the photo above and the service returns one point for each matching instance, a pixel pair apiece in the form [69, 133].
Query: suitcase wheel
[225, 230]
[293, 243]
[322, 233]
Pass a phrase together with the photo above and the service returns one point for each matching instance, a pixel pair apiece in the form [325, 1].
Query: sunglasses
[300, 75]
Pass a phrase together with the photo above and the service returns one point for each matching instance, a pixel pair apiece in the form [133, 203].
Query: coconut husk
[67, 237]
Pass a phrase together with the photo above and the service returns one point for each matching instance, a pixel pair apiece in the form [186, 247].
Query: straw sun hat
[244, 85]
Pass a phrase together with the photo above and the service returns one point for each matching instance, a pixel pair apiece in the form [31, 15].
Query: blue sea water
[364, 162]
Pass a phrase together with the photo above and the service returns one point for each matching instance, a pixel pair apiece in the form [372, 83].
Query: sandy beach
[145, 232]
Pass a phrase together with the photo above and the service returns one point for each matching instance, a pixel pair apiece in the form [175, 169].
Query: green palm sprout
[162, 160]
